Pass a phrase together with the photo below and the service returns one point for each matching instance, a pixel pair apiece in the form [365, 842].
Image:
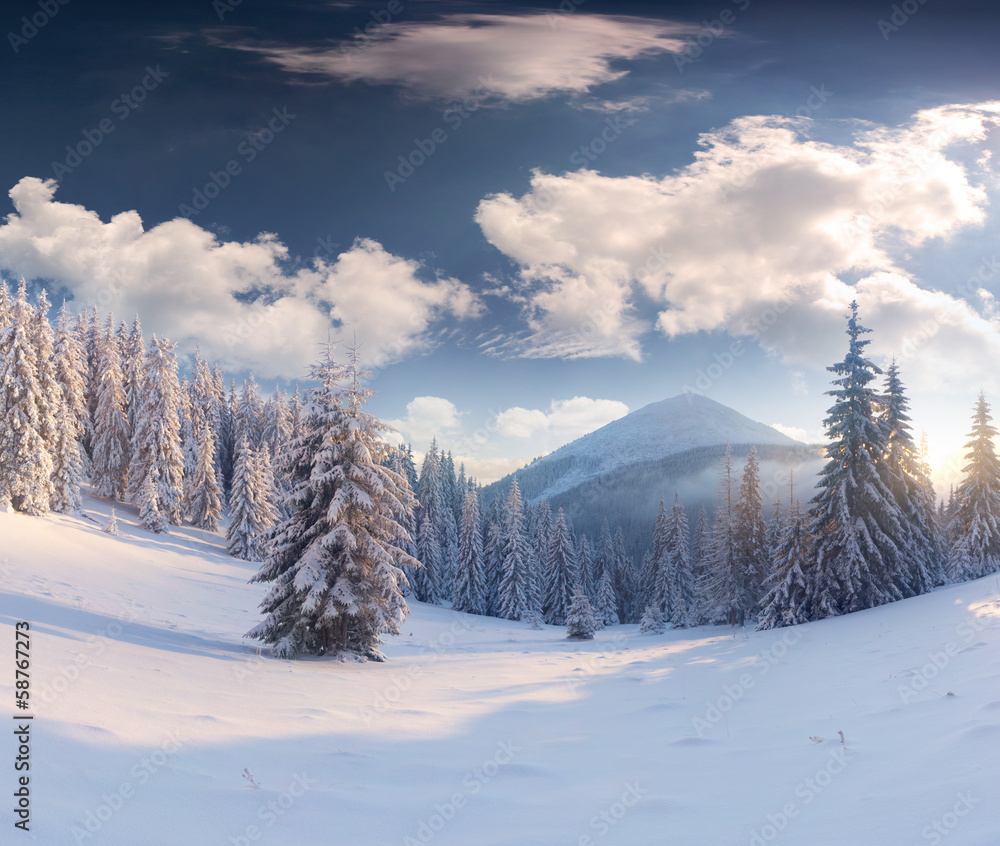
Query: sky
[533, 218]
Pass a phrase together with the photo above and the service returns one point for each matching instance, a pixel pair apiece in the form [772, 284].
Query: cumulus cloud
[426, 418]
[238, 300]
[564, 421]
[757, 236]
[506, 58]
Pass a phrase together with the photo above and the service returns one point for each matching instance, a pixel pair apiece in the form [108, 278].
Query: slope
[149, 706]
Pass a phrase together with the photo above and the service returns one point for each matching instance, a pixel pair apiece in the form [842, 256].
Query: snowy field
[149, 707]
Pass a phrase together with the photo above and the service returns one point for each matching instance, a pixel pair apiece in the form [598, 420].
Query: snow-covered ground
[149, 706]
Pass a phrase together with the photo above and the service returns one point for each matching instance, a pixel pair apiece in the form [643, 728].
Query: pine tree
[681, 588]
[914, 495]
[699, 556]
[562, 581]
[470, 575]
[859, 530]
[156, 440]
[580, 618]
[70, 374]
[246, 523]
[250, 414]
[787, 601]
[750, 539]
[585, 568]
[206, 498]
[652, 621]
[333, 564]
[110, 444]
[659, 580]
[493, 560]
[722, 576]
[132, 362]
[112, 527]
[25, 460]
[606, 604]
[626, 581]
[513, 588]
[976, 520]
[150, 513]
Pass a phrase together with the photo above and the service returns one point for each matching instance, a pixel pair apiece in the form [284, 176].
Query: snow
[478, 730]
[655, 431]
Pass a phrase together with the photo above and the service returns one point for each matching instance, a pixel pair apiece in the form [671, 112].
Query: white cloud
[518, 57]
[183, 281]
[426, 418]
[795, 432]
[752, 237]
[565, 420]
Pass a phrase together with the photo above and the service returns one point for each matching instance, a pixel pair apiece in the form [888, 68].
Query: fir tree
[110, 445]
[246, 522]
[681, 589]
[921, 565]
[70, 375]
[606, 605]
[580, 618]
[156, 441]
[976, 520]
[206, 497]
[25, 460]
[513, 588]
[750, 539]
[470, 575]
[112, 527]
[333, 564]
[150, 514]
[562, 581]
[722, 576]
[787, 601]
[859, 529]
[652, 621]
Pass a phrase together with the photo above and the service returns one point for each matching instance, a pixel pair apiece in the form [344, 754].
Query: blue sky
[534, 217]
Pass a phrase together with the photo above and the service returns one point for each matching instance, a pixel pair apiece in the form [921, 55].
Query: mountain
[623, 469]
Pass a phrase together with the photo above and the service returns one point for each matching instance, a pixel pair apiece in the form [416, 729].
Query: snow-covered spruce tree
[580, 618]
[110, 445]
[156, 440]
[859, 530]
[335, 569]
[657, 578]
[606, 603]
[25, 460]
[112, 526]
[70, 373]
[493, 563]
[250, 414]
[723, 595]
[132, 362]
[626, 581]
[787, 601]
[585, 568]
[561, 572]
[700, 539]
[750, 538]
[205, 506]
[432, 540]
[976, 521]
[150, 513]
[513, 588]
[470, 575]
[680, 612]
[43, 345]
[652, 621]
[922, 563]
[247, 520]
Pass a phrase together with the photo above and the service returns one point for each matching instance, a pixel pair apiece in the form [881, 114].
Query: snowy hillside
[149, 707]
[621, 471]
